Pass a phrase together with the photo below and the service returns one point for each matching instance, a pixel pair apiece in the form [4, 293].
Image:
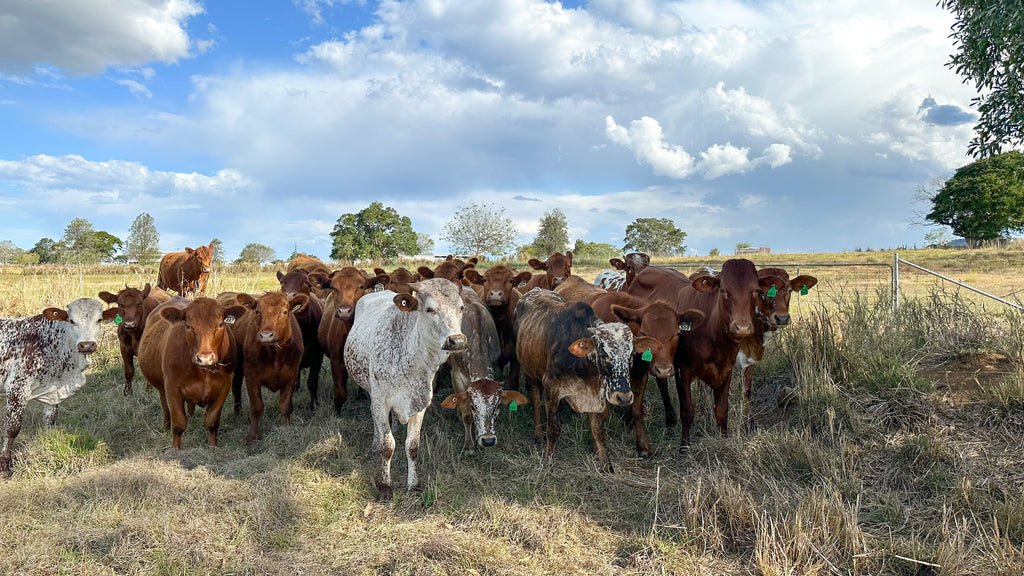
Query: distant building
[753, 250]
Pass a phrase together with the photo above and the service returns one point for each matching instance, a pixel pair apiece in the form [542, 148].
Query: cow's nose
[267, 337]
[488, 440]
[455, 343]
[208, 359]
[87, 347]
[558, 280]
[344, 312]
[496, 297]
[741, 329]
[128, 324]
[621, 398]
[782, 320]
[661, 369]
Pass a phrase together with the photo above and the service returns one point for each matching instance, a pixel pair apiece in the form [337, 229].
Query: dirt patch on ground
[968, 378]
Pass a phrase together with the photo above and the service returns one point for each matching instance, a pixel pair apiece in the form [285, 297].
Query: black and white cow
[393, 351]
[44, 358]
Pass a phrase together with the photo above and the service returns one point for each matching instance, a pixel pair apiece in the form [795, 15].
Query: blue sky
[797, 125]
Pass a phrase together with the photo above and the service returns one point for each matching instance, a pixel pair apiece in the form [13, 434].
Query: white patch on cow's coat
[610, 280]
[485, 412]
[615, 348]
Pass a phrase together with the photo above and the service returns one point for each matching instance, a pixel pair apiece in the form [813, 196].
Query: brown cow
[188, 354]
[309, 265]
[270, 352]
[557, 268]
[346, 287]
[135, 305]
[499, 294]
[663, 325]
[186, 272]
[297, 282]
[452, 269]
[576, 289]
[398, 281]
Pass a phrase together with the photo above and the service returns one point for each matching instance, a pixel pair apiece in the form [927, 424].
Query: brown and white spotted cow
[556, 269]
[186, 272]
[44, 358]
[567, 352]
[393, 351]
[135, 306]
[498, 285]
[624, 273]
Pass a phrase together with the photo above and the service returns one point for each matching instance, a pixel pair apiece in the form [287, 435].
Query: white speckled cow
[395, 347]
[44, 358]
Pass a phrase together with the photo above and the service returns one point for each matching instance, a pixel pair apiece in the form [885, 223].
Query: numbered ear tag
[512, 406]
[118, 319]
[229, 319]
[771, 292]
[647, 356]
[803, 290]
[685, 326]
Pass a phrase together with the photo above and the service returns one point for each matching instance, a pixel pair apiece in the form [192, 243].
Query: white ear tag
[229, 319]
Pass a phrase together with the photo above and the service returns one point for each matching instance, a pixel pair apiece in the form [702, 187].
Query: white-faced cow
[44, 358]
[393, 351]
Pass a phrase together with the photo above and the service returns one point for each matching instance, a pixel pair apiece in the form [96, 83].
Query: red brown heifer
[576, 289]
[398, 281]
[188, 354]
[498, 284]
[451, 269]
[557, 268]
[309, 317]
[309, 265]
[186, 272]
[135, 306]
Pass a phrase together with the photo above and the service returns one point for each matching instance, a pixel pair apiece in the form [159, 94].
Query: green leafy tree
[989, 39]
[143, 244]
[654, 237]
[107, 245]
[984, 200]
[714, 252]
[594, 250]
[217, 252]
[552, 234]
[48, 250]
[375, 232]
[742, 246]
[480, 230]
[254, 253]
[81, 242]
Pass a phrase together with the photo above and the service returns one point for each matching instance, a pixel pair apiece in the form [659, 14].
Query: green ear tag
[803, 290]
[512, 406]
[772, 292]
[118, 319]
[647, 356]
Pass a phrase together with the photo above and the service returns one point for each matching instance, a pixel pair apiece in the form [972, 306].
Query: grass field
[879, 444]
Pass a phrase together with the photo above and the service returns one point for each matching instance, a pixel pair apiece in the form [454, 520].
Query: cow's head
[439, 302]
[451, 269]
[633, 264]
[274, 311]
[658, 327]
[777, 303]
[498, 282]
[202, 257]
[84, 316]
[611, 346]
[558, 268]
[206, 329]
[130, 301]
[346, 287]
[485, 399]
[295, 282]
[739, 291]
[398, 281]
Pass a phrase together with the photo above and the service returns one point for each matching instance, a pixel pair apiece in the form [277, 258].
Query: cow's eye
[431, 310]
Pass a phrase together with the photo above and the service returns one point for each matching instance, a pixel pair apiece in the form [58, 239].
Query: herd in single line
[593, 345]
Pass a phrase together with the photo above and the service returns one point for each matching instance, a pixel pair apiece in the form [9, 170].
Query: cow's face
[557, 266]
[658, 329]
[485, 399]
[740, 292]
[202, 257]
[84, 316]
[347, 286]
[633, 264]
[498, 283]
[611, 345]
[777, 304]
[130, 301]
[206, 329]
[439, 302]
[399, 280]
[451, 269]
[273, 315]
[295, 282]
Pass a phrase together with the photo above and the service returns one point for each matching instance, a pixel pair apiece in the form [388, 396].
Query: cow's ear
[452, 402]
[473, 261]
[108, 297]
[372, 281]
[298, 303]
[537, 264]
[416, 277]
[568, 254]
[280, 275]
[473, 276]
[55, 314]
[246, 300]
[627, 314]
[582, 347]
[318, 280]
[690, 319]
[450, 257]
[509, 396]
[769, 282]
[111, 314]
[231, 315]
[189, 251]
[617, 263]
[406, 302]
[522, 278]
[172, 314]
[797, 284]
[379, 271]
[146, 290]
[425, 272]
[705, 283]
[643, 343]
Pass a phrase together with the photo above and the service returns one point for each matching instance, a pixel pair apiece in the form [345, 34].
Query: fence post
[895, 282]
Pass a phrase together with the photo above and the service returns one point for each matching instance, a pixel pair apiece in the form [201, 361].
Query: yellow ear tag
[647, 356]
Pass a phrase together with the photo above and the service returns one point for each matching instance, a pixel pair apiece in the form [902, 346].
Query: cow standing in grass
[186, 272]
[135, 305]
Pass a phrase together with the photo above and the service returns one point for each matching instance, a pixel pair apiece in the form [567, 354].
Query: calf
[498, 286]
[568, 352]
[396, 345]
[186, 272]
[452, 269]
[346, 287]
[44, 358]
[614, 280]
[135, 306]
[270, 349]
[188, 354]
[397, 281]
[557, 268]
[309, 318]
[480, 404]
[576, 289]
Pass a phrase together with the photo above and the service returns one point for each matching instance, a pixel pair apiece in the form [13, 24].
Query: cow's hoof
[644, 454]
[684, 450]
[384, 493]
[127, 391]
[607, 468]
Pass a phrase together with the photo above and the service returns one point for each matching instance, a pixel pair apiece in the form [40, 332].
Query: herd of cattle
[593, 345]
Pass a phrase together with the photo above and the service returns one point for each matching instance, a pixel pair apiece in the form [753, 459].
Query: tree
[424, 245]
[375, 232]
[552, 234]
[939, 237]
[81, 242]
[742, 246]
[654, 237]
[48, 250]
[714, 252]
[143, 244]
[8, 252]
[989, 38]
[254, 253]
[217, 252]
[984, 200]
[107, 245]
[595, 250]
[480, 230]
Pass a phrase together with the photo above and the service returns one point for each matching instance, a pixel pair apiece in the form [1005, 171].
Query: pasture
[880, 444]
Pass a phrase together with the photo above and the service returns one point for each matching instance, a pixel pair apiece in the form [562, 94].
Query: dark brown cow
[188, 354]
[346, 287]
[452, 269]
[662, 324]
[270, 352]
[186, 272]
[557, 268]
[307, 264]
[135, 306]
[576, 289]
[498, 284]
[309, 317]
[398, 281]
[567, 352]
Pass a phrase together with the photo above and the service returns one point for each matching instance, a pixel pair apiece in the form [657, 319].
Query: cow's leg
[284, 402]
[255, 390]
[236, 383]
[385, 443]
[340, 375]
[722, 405]
[666, 401]
[639, 387]
[597, 420]
[316, 361]
[538, 429]
[128, 360]
[178, 418]
[165, 409]
[686, 411]
[748, 380]
[466, 411]
[412, 448]
[512, 383]
[212, 416]
[554, 425]
[50, 414]
[15, 412]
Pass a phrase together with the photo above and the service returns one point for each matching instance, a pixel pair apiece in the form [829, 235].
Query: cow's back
[484, 346]
[656, 283]
[154, 343]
